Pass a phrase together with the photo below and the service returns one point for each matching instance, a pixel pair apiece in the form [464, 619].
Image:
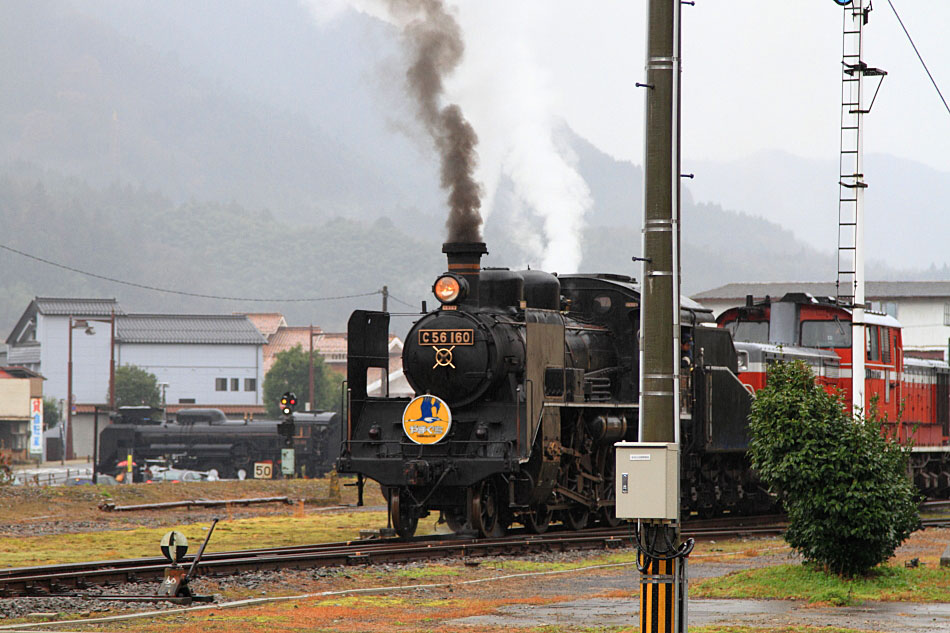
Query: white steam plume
[504, 91]
[508, 98]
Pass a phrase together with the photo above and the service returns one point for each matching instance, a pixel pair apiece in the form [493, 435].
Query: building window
[885, 307]
[235, 384]
[250, 384]
[946, 314]
[220, 384]
[186, 401]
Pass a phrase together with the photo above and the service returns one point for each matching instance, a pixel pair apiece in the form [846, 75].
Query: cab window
[749, 331]
[873, 352]
[602, 304]
[826, 334]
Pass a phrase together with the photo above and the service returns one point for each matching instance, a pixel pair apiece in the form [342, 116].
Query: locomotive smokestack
[464, 259]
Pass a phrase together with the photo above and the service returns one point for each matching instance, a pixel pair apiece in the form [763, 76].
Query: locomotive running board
[590, 405]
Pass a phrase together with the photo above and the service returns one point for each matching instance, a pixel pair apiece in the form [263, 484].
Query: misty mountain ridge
[906, 203]
[83, 99]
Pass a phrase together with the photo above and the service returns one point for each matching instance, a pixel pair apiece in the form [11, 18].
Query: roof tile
[223, 329]
[77, 307]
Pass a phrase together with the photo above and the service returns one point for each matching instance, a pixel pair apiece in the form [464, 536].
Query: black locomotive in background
[202, 439]
[540, 374]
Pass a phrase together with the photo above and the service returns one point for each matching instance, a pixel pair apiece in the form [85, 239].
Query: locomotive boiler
[523, 382]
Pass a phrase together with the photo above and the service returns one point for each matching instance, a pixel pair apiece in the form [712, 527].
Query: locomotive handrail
[529, 402]
[518, 388]
[349, 420]
[728, 370]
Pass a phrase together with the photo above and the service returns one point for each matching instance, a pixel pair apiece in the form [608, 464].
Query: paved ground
[882, 616]
[578, 611]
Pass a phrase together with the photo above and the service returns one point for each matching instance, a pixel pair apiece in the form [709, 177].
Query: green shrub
[850, 502]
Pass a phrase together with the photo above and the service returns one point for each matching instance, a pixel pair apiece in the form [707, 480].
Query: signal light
[287, 403]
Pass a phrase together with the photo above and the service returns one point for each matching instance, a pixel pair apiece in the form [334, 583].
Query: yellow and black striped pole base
[657, 595]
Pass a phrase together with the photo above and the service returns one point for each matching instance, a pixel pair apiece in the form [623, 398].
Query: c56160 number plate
[446, 337]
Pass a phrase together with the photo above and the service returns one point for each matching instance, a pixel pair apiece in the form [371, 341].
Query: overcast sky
[757, 74]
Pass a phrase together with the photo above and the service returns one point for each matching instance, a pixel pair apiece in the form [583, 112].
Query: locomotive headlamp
[448, 288]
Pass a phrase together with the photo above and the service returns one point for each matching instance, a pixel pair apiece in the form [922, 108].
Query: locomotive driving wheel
[402, 513]
[455, 519]
[577, 472]
[538, 519]
[486, 509]
[606, 488]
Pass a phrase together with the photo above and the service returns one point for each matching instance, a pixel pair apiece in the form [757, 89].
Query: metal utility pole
[661, 559]
[310, 406]
[659, 311]
[112, 362]
[385, 379]
[851, 185]
[95, 444]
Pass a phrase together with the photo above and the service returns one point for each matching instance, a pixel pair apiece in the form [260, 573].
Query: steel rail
[71, 577]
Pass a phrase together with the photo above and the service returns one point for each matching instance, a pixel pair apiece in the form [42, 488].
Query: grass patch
[800, 582]
[772, 629]
[429, 572]
[228, 535]
[626, 557]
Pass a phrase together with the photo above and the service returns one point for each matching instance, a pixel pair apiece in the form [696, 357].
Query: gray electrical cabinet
[648, 484]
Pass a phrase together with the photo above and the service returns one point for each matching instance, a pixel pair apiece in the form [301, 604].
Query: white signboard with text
[36, 426]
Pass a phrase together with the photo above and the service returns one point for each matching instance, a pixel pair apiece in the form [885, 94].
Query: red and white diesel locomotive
[912, 395]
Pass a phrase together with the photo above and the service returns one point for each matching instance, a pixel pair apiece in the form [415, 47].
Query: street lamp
[85, 324]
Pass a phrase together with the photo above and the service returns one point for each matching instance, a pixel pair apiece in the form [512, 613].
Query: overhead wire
[185, 292]
[398, 300]
[919, 56]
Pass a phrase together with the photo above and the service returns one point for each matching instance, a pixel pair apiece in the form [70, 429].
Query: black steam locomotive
[202, 439]
[524, 380]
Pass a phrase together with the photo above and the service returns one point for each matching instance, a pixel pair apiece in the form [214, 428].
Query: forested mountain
[234, 148]
[202, 248]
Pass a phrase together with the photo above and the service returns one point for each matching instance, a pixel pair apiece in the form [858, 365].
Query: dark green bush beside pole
[846, 489]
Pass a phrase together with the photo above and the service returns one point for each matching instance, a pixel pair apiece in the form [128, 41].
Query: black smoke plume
[435, 42]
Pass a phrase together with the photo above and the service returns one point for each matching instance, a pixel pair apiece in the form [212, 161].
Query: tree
[135, 386]
[51, 413]
[850, 502]
[290, 372]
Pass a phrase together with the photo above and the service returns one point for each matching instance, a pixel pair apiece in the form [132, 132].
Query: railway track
[72, 578]
[85, 577]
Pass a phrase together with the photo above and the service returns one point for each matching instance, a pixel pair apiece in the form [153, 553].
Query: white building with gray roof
[40, 342]
[922, 307]
[201, 360]
[204, 359]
